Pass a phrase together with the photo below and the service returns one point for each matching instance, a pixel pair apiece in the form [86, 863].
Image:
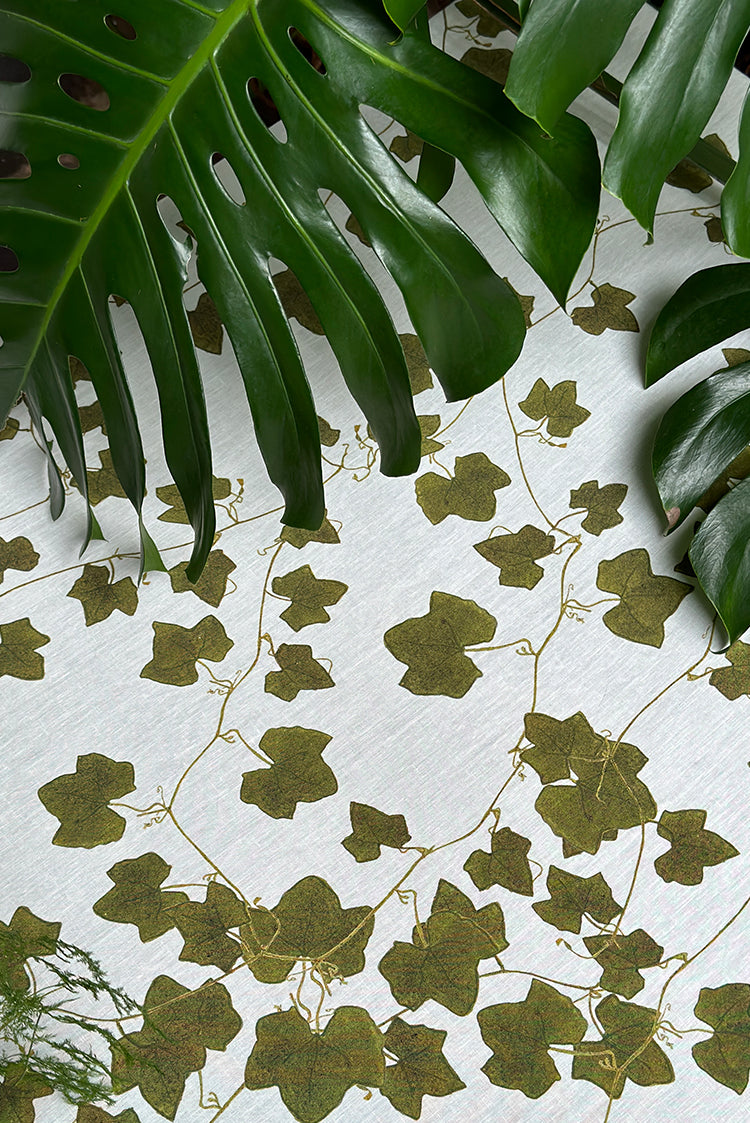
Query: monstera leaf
[106, 114]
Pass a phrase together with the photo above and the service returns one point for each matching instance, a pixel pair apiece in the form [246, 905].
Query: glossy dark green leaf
[669, 95]
[402, 12]
[711, 305]
[563, 47]
[734, 224]
[699, 435]
[720, 556]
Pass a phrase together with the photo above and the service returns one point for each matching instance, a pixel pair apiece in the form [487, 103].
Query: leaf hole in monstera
[266, 108]
[86, 91]
[120, 26]
[69, 161]
[8, 260]
[307, 50]
[228, 178]
[13, 69]
[172, 219]
[13, 165]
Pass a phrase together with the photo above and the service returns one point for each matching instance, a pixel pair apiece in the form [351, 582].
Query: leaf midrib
[175, 91]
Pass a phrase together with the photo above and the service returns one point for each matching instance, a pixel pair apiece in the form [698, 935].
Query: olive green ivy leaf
[734, 681]
[137, 897]
[212, 583]
[609, 311]
[314, 1071]
[739, 469]
[102, 482]
[725, 1056]
[307, 923]
[606, 796]
[441, 962]
[176, 513]
[372, 829]
[354, 226]
[526, 302]
[692, 847]
[178, 1026]
[516, 555]
[420, 375]
[557, 405]
[494, 63]
[308, 595]
[735, 356]
[628, 1036]
[601, 504]
[429, 424]
[295, 301]
[469, 493]
[92, 417]
[405, 148]
[19, 1089]
[19, 554]
[18, 655]
[299, 671]
[622, 957]
[645, 600]
[80, 800]
[100, 595]
[506, 865]
[487, 26]
[432, 646]
[689, 176]
[206, 327]
[298, 773]
[573, 897]
[328, 436]
[422, 1070]
[90, 1113]
[78, 370]
[176, 650]
[9, 430]
[204, 927]
[521, 1033]
[26, 937]
[326, 532]
[714, 229]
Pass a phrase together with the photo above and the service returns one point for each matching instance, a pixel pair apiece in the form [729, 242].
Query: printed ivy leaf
[432, 646]
[506, 865]
[137, 897]
[494, 63]
[90, 1113]
[622, 957]
[314, 1071]
[734, 681]
[516, 555]
[103, 482]
[739, 469]
[690, 176]
[609, 311]
[299, 671]
[100, 596]
[328, 436]
[573, 897]
[725, 1056]
[714, 229]
[429, 424]
[442, 961]
[19, 1089]
[78, 371]
[176, 513]
[422, 1070]
[206, 326]
[526, 302]
[372, 829]
[487, 26]
[326, 532]
[734, 356]
[19, 554]
[308, 595]
[298, 773]
[627, 1029]
[212, 583]
[354, 226]
[601, 504]
[307, 923]
[520, 1034]
[692, 847]
[558, 405]
[645, 600]
[204, 926]
[80, 800]
[607, 794]
[295, 301]
[420, 375]
[92, 417]
[470, 493]
[176, 650]
[405, 148]
[18, 655]
[26, 937]
[178, 1026]
[11, 427]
